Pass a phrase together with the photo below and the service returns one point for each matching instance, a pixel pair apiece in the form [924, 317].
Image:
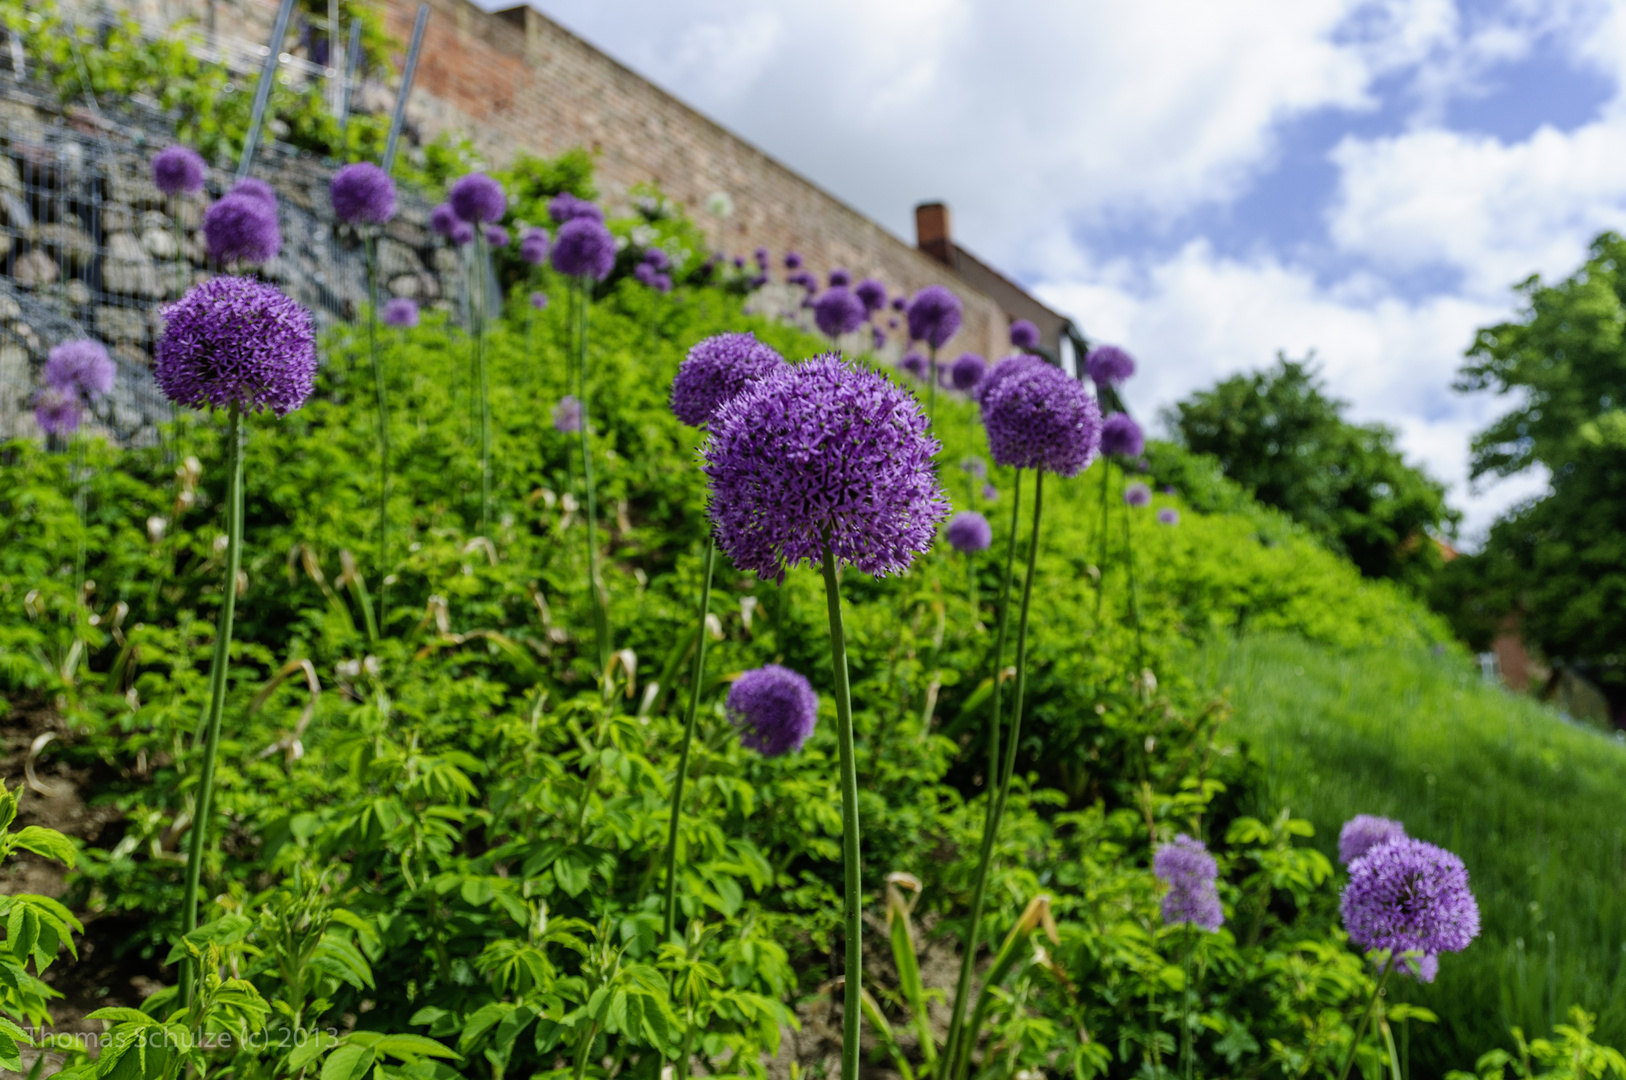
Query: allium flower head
[1038, 418]
[915, 363]
[363, 193]
[400, 311]
[899, 303]
[236, 341]
[565, 207]
[1122, 436]
[1024, 335]
[840, 278]
[658, 258]
[1168, 516]
[255, 188]
[442, 220]
[567, 415]
[969, 531]
[242, 228]
[584, 249]
[877, 338]
[1425, 969]
[990, 493]
[716, 370]
[56, 413]
[774, 708]
[973, 465]
[80, 369]
[998, 372]
[823, 452]
[477, 199]
[534, 245]
[645, 273]
[1363, 832]
[539, 300]
[872, 293]
[838, 311]
[793, 261]
[1137, 494]
[1189, 871]
[462, 233]
[497, 236]
[1406, 895]
[739, 262]
[934, 316]
[1109, 365]
[178, 170]
[967, 371]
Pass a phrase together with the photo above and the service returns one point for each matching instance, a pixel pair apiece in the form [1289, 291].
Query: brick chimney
[932, 232]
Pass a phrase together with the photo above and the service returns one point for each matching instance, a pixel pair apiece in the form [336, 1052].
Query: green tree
[1278, 434]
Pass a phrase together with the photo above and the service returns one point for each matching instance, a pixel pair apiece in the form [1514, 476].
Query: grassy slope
[1535, 806]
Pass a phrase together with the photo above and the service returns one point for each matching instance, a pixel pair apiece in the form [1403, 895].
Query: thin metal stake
[351, 55]
[406, 88]
[262, 92]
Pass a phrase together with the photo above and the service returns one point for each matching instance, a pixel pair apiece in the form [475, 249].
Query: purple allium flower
[1024, 335]
[761, 256]
[1109, 365]
[1122, 436]
[363, 192]
[838, 311]
[1168, 516]
[915, 363]
[534, 245]
[877, 338]
[477, 199]
[658, 258]
[891, 324]
[1038, 418]
[497, 236]
[565, 207]
[739, 262]
[969, 531]
[899, 303]
[462, 233]
[758, 281]
[793, 261]
[236, 341]
[998, 372]
[1363, 832]
[774, 708]
[1406, 895]
[585, 249]
[255, 188]
[539, 300]
[443, 220]
[872, 293]
[178, 170]
[567, 415]
[967, 371]
[242, 228]
[823, 453]
[400, 311]
[646, 274]
[80, 369]
[716, 370]
[840, 278]
[1190, 871]
[56, 413]
[1424, 969]
[934, 316]
[1137, 494]
[972, 465]
[663, 283]
[990, 493]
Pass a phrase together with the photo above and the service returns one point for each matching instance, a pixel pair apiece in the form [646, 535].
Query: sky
[1205, 184]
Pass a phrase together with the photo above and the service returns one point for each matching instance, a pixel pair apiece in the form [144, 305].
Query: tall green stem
[1134, 595]
[968, 959]
[852, 1005]
[1366, 1018]
[1101, 560]
[217, 684]
[601, 616]
[931, 391]
[670, 919]
[1187, 1051]
[383, 429]
[485, 386]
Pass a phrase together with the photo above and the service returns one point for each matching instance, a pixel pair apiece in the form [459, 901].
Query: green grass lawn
[1534, 804]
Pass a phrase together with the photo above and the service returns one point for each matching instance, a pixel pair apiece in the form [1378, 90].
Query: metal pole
[351, 55]
[406, 88]
[262, 92]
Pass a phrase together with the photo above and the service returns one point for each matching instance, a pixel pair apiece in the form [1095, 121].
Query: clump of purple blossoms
[990, 493]
[585, 249]
[400, 311]
[793, 261]
[837, 311]
[658, 258]
[899, 303]
[774, 708]
[877, 338]
[716, 370]
[462, 233]
[477, 199]
[823, 454]
[80, 369]
[242, 228]
[934, 316]
[1189, 871]
[1038, 418]
[362, 193]
[565, 207]
[567, 415]
[998, 372]
[236, 341]
[1122, 436]
[969, 531]
[1168, 516]
[1024, 335]
[1109, 365]
[1406, 895]
[178, 170]
[1363, 832]
[539, 300]
[967, 371]
[534, 245]
[442, 220]
[646, 273]
[872, 293]
[1137, 494]
[739, 262]
[56, 413]
[255, 188]
[915, 363]
[497, 236]
[840, 278]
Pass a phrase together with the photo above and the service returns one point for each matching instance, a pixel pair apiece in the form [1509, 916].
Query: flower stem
[1187, 1051]
[1366, 1018]
[217, 684]
[601, 616]
[1134, 595]
[1101, 561]
[485, 387]
[852, 1005]
[383, 429]
[931, 391]
[670, 919]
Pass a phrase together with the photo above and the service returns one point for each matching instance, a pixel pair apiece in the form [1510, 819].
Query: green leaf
[408, 1046]
[572, 872]
[10, 1057]
[348, 1062]
[47, 842]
